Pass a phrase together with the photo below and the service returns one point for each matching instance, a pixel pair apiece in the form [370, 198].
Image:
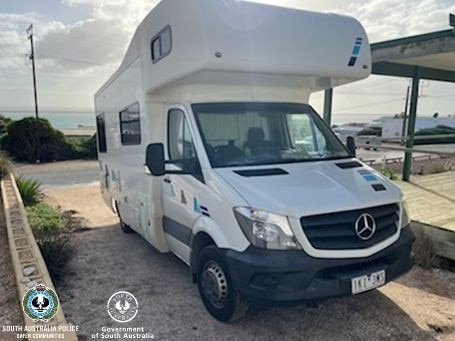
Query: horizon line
[47, 110]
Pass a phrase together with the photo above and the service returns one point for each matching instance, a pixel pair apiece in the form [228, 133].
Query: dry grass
[423, 251]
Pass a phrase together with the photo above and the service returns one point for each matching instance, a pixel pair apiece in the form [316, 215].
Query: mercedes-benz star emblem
[365, 226]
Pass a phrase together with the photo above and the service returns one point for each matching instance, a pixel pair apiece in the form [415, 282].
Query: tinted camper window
[161, 44]
[101, 133]
[130, 125]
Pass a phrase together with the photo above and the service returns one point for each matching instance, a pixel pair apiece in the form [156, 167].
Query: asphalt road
[68, 173]
[71, 173]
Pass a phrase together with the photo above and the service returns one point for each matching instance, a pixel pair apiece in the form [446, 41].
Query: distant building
[349, 129]
[392, 127]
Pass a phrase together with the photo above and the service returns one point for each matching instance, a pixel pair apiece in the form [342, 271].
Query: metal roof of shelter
[426, 56]
[433, 53]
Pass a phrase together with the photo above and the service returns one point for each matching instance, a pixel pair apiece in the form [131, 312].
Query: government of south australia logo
[40, 303]
[122, 306]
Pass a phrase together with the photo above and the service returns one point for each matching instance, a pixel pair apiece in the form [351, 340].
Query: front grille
[336, 231]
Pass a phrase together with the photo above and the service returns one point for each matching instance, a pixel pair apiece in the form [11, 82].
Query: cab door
[180, 191]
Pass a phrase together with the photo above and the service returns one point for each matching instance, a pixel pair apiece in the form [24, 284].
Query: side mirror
[154, 159]
[350, 144]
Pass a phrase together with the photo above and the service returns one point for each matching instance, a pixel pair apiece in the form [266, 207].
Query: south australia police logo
[122, 306]
[40, 303]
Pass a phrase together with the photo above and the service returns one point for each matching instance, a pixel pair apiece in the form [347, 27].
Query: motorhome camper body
[243, 181]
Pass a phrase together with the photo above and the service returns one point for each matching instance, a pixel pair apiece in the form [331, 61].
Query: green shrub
[5, 165]
[46, 221]
[50, 228]
[20, 141]
[4, 122]
[89, 146]
[30, 190]
[440, 168]
[389, 172]
[56, 253]
[84, 149]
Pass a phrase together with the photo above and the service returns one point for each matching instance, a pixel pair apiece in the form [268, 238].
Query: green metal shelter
[428, 56]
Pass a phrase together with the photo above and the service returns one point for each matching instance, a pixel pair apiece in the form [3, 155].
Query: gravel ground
[419, 306]
[86, 200]
[10, 312]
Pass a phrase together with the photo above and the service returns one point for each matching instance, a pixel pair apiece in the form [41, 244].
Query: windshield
[240, 134]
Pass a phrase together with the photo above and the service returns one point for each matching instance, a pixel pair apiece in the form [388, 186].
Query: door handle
[166, 180]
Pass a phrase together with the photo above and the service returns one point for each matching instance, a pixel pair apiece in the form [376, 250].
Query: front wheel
[216, 288]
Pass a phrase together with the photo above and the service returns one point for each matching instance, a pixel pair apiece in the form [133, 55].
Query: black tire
[218, 293]
[125, 228]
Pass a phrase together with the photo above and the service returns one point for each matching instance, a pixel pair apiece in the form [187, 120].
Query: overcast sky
[79, 43]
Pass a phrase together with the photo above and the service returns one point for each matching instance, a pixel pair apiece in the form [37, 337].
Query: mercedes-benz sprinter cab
[209, 149]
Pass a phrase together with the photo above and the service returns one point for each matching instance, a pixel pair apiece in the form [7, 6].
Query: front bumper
[292, 277]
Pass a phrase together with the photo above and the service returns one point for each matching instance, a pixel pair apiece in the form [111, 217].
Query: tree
[4, 122]
[20, 141]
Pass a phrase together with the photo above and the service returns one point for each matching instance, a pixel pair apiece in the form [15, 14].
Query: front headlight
[405, 219]
[266, 230]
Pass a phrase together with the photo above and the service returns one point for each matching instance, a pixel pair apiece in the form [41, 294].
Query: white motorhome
[209, 150]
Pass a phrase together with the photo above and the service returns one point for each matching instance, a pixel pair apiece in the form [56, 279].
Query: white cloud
[85, 44]
[74, 59]
[389, 19]
[97, 41]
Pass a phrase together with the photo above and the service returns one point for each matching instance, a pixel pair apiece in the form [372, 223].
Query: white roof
[238, 36]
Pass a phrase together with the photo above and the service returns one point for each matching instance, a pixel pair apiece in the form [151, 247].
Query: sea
[72, 120]
[61, 121]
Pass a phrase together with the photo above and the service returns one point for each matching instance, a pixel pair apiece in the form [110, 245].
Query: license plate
[367, 282]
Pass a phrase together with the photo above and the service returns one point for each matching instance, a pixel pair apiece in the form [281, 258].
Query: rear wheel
[216, 288]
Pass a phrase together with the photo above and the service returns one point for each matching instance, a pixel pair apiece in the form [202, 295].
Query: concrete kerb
[28, 263]
[442, 240]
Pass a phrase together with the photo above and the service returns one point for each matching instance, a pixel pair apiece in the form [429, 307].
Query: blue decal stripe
[355, 51]
[370, 178]
[196, 206]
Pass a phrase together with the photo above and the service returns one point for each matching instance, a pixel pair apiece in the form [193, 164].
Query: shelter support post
[328, 99]
[407, 166]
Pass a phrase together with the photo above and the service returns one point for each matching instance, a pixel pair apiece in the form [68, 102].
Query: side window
[161, 44]
[130, 125]
[180, 142]
[156, 49]
[305, 135]
[101, 133]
